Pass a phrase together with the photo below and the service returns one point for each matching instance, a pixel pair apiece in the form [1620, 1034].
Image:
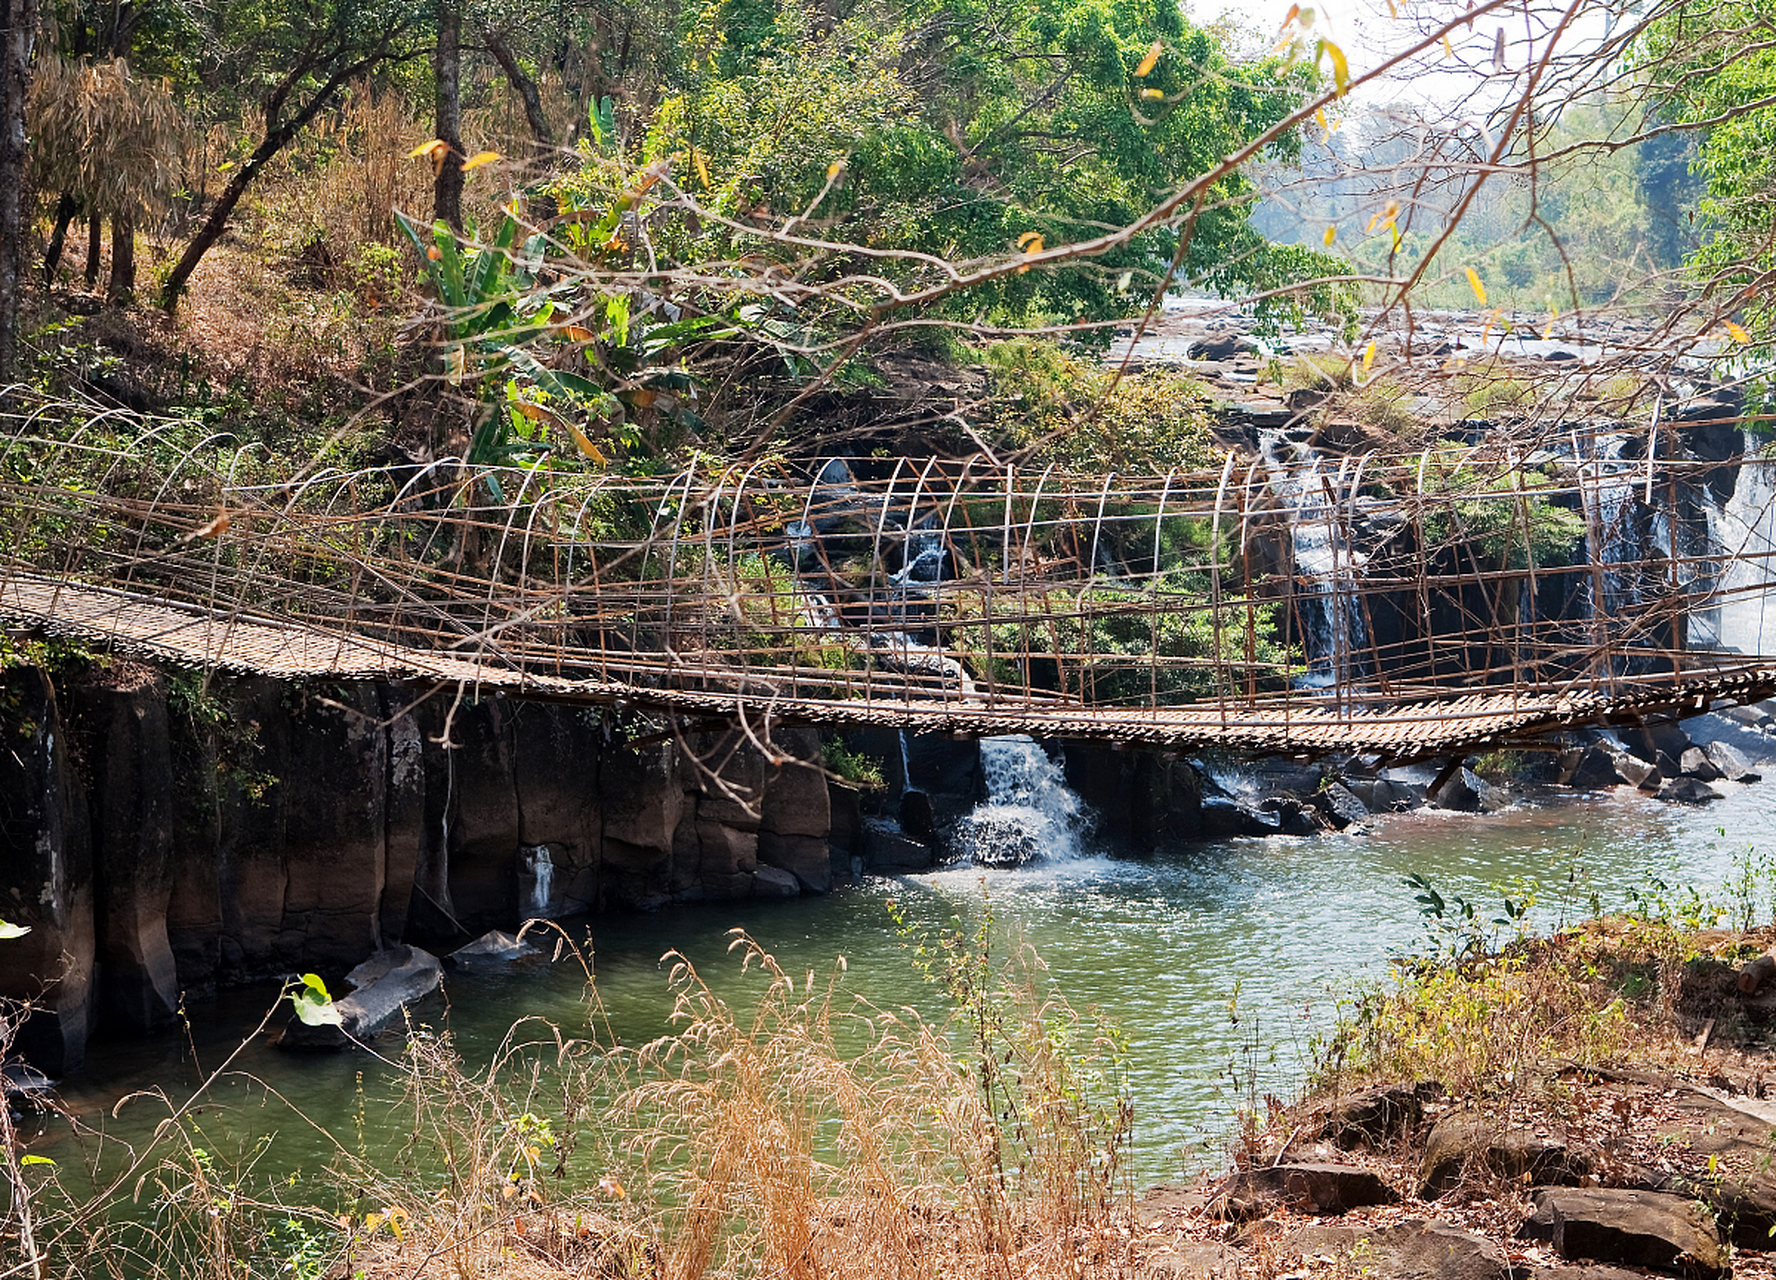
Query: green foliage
[960, 131]
[861, 771]
[1058, 406]
[1504, 523]
[313, 1005]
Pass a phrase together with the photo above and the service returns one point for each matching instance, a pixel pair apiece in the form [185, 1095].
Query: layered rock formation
[163, 836]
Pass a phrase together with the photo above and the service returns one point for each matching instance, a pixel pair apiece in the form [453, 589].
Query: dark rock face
[1687, 791]
[160, 845]
[1636, 1228]
[46, 877]
[1341, 806]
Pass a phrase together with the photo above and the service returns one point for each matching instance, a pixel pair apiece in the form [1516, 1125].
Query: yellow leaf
[531, 411]
[427, 148]
[1341, 72]
[1320, 119]
[480, 158]
[1392, 12]
[1289, 17]
[612, 1188]
[578, 333]
[1548, 331]
[702, 169]
[1368, 356]
[584, 444]
[1474, 283]
[1739, 334]
[453, 366]
[834, 169]
[509, 1190]
[1448, 51]
[1151, 60]
[1030, 242]
[1151, 93]
[1330, 236]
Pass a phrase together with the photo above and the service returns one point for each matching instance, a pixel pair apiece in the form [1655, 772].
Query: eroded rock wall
[163, 835]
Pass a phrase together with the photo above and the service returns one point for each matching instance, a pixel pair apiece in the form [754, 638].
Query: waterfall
[1743, 531]
[536, 880]
[1333, 631]
[1030, 813]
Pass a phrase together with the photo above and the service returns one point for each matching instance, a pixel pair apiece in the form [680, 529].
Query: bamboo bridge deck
[1431, 725]
[1454, 600]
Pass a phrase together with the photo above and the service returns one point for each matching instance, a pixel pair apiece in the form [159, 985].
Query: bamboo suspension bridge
[1456, 599]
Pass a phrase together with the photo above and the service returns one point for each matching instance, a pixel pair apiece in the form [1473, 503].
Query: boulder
[1634, 1228]
[1695, 763]
[495, 949]
[1732, 765]
[1594, 770]
[1374, 1116]
[1466, 792]
[1636, 772]
[382, 986]
[1341, 806]
[1304, 1188]
[1410, 1250]
[1687, 791]
[1293, 818]
[1224, 817]
[774, 882]
[1649, 742]
[1467, 1141]
[888, 851]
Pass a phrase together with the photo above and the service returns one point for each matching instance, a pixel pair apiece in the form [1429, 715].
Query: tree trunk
[123, 258]
[66, 208]
[18, 28]
[447, 70]
[526, 89]
[95, 226]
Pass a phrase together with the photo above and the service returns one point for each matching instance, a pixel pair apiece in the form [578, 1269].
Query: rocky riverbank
[1594, 1105]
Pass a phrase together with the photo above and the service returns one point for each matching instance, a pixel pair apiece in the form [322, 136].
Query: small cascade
[536, 880]
[1333, 630]
[1030, 813]
[1743, 530]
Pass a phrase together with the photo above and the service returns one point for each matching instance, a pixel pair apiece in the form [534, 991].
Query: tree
[18, 31]
[303, 53]
[109, 142]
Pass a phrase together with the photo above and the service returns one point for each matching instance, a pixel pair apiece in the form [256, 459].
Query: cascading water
[536, 879]
[1030, 813]
[1333, 630]
[1743, 529]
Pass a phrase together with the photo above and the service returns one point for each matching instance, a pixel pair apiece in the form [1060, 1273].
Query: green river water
[1159, 944]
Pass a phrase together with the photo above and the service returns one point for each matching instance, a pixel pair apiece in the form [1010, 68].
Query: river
[1220, 961]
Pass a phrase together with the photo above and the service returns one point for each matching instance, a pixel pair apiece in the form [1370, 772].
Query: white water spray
[1030, 813]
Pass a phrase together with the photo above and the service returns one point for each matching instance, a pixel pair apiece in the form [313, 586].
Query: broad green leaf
[13, 930]
[29, 1160]
[312, 1003]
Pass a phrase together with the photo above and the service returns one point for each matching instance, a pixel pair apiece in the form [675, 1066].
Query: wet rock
[1304, 1188]
[1594, 770]
[1468, 1142]
[1695, 763]
[1636, 772]
[383, 985]
[796, 815]
[1341, 806]
[1733, 766]
[1224, 817]
[1374, 1116]
[774, 882]
[1385, 795]
[888, 851]
[1687, 791]
[1649, 742]
[1410, 1250]
[1293, 817]
[1635, 1228]
[495, 949]
[1467, 792]
[20, 1081]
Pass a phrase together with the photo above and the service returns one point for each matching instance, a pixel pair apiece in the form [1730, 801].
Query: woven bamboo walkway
[1434, 725]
